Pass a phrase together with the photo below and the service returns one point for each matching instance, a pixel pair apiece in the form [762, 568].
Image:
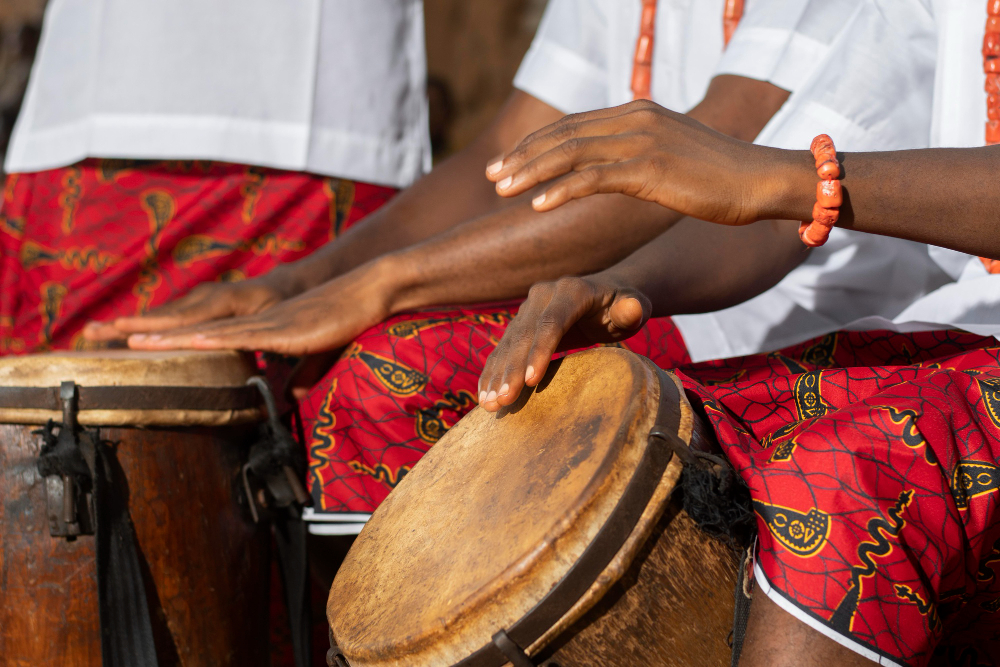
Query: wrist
[392, 283]
[283, 280]
[786, 186]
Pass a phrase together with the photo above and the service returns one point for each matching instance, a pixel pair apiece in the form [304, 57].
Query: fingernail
[490, 397]
[482, 397]
[504, 389]
[154, 337]
[138, 337]
[199, 336]
[529, 373]
[494, 168]
[538, 201]
[505, 183]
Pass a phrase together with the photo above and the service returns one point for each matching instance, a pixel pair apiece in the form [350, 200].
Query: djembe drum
[163, 437]
[545, 533]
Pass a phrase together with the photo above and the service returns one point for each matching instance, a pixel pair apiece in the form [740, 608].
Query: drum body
[205, 564]
[546, 530]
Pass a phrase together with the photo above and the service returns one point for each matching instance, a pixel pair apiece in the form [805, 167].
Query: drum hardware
[139, 459]
[82, 499]
[270, 480]
[68, 473]
[275, 493]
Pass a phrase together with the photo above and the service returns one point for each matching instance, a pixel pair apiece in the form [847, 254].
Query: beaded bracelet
[829, 197]
[991, 66]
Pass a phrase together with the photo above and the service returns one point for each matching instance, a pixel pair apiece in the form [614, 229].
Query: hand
[645, 151]
[567, 314]
[207, 301]
[318, 320]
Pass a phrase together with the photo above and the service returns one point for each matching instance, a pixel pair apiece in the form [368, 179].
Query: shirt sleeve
[782, 41]
[567, 64]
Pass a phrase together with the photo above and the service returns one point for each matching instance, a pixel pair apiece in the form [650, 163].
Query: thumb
[627, 313]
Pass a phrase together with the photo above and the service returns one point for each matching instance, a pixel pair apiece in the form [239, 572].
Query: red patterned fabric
[106, 238]
[872, 459]
[400, 386]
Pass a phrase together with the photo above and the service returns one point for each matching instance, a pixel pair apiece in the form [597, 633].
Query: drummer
[871, 455]
[402, 383]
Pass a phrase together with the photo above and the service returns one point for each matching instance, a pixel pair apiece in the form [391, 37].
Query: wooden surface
[206, 563]
[495, 514]
[673, 607]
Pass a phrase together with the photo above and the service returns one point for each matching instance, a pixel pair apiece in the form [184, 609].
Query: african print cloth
[872, 460]
[108, 238]
[399, 387]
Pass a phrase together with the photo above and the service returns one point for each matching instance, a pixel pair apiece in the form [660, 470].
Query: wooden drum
[174, 429]
[544, 534]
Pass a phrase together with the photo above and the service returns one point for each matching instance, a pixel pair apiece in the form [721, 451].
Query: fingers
[524, 353]
[575, 127]
[102, 332]
[202, 304]
[571, 155]
[500, 377]
[600, 179]
[627, 315]
[195, 308]
[238, 333]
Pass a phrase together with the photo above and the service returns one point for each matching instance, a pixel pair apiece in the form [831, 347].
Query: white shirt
[334, 87]
[972, 302]
[839, 59]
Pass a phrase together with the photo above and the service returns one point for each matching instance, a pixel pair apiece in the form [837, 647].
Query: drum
[544, 534]
[171, 430]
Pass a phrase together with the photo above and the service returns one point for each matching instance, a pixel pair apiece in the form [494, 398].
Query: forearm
[454, 192]
[945, 197]
[500, 256]
[697, 267]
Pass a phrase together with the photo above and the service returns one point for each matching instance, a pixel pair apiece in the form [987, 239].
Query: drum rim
[135, 397]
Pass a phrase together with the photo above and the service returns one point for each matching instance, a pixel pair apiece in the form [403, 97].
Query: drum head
[496, 514]
[127, 368]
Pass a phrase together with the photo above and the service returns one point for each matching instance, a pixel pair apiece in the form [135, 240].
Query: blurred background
[473, 50]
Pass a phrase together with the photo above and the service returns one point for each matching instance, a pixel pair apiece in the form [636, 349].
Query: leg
[398, 388]
[775, 638]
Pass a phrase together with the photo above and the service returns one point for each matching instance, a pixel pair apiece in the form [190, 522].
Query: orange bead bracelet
[829, 196]
[991, 66]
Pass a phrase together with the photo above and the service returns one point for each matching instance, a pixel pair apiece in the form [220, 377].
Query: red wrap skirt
[399, 387]
[872, 460]
[108, 238]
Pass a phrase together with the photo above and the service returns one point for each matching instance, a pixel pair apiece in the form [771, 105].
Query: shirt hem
[290, 146]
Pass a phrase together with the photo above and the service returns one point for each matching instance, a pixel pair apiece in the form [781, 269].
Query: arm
[452, 193]
[942, 196]
[694, 267]
[945, 197]
[494, 257]
[455, 191]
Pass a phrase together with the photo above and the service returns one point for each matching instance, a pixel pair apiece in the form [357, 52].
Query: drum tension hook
[67, 470]
[270, 479]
